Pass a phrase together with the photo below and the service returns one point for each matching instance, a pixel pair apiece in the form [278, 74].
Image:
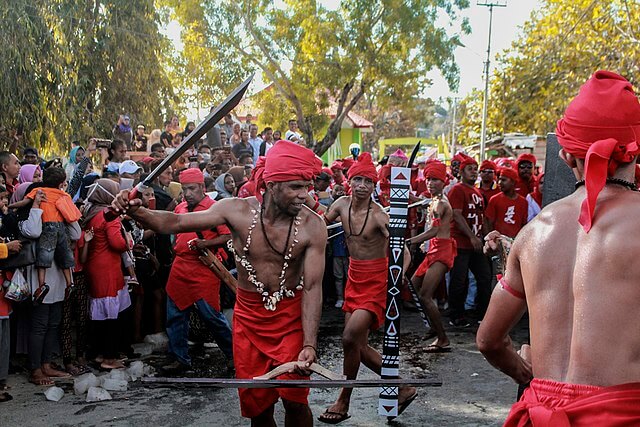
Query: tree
[317, 58]
[74, 65]
[561, 45]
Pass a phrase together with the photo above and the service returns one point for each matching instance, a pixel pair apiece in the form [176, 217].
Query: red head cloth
[488, 164]
[435, 169]
[288, 161]
[399, 154]
[466, 160]
[364, 167]
[504, 162]
[457, 158]
[526, 157]
[337, 165]
[191, 176]
[600, 125]
[328, 171]
[509, 173]
[347, 163]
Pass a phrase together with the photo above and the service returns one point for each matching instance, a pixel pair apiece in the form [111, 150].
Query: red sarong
[366, 288]
[440, 250]
[552, 403]
[262, 340]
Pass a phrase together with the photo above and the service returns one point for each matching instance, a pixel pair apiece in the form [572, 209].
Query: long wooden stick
[210, 260]
[248, 383]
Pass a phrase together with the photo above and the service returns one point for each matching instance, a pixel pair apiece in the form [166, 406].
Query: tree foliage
[561, 45]
[323, 60]
[74, 65]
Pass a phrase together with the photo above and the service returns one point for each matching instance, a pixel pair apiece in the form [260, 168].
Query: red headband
[364, 167]
[288, 161]
[435, 169]
[191, 176]
[509, 173]
[488, 164]
[602, 126]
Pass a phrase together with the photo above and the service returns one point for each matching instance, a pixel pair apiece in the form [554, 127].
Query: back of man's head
[5, 157]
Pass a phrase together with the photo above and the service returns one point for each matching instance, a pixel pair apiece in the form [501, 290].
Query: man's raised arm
[170, 223]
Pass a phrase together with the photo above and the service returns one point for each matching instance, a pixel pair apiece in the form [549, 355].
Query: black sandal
[5, 397]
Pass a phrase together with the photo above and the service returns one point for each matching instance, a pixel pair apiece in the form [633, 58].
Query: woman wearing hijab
[108, 294]
[75, 156]
[30, 173]
[225, 186]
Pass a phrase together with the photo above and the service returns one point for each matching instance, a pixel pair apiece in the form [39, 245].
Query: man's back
[582, 290]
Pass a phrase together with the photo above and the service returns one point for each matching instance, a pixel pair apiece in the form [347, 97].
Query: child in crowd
[57, 209]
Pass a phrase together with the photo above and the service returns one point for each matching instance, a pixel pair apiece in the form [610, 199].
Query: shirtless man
[582, 308]
[441, 253]
[277, 242]
[365, 295]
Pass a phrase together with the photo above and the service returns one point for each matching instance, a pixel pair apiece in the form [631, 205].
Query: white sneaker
[339, 303]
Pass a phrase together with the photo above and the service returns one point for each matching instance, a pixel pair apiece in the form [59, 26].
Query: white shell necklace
[270, 301]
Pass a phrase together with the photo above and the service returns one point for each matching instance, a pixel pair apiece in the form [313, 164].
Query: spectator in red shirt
[507, 211]
[525, 165]
[488, 187]
[466, 229]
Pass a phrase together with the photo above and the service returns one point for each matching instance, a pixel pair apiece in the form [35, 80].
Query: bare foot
[441, 342]
[405, 393]
[49, 371]
[112, 364]
[39, 378]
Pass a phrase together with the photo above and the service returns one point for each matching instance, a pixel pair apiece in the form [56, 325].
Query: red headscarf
[328, 171]
[337, 165]
[458, 158]
[288, 161]
[488, 164]
[347, 163]
[364, 167]
[435, 169]
[526, 157]
[601, 125]
[509, 173]
[466, 160]
[191, 176]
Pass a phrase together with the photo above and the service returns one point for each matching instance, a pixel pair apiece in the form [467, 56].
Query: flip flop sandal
[5, 397]
[404, 405]
[437, 349]
[342, 416]
[40, 294]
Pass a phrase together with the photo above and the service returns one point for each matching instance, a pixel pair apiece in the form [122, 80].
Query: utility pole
[453, 127]
[483, 137]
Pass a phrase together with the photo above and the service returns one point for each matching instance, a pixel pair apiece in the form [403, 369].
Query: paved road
[473, 393]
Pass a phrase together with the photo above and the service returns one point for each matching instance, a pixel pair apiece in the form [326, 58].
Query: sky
[470, 58]
[507, 22]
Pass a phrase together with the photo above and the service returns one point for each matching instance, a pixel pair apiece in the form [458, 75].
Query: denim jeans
[178, 329]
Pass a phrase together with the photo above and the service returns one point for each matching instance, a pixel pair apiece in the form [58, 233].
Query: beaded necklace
[270, 301]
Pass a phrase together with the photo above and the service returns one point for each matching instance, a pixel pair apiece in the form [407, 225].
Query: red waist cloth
[262, 340]
[440, 250]
[366, 288]
[552, 403]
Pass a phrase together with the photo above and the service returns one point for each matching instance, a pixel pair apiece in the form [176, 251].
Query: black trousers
[478, 263]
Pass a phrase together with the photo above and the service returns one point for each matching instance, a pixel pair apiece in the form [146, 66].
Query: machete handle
[110, 214]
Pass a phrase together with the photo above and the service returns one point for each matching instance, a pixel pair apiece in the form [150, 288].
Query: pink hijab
[27, 172]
